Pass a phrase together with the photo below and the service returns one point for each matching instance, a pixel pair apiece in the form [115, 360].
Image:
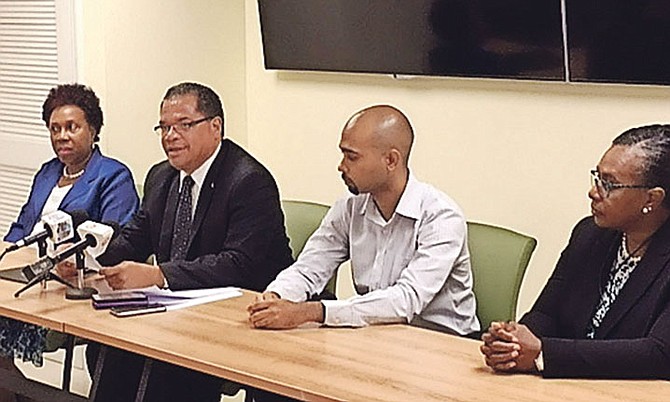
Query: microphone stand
[42, 247]
[42, 252]
[43, 277]
[46, 264]
[80, 292]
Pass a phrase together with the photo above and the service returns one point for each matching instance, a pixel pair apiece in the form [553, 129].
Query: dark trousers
[122, 370]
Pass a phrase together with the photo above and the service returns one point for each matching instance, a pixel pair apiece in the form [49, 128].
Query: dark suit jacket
[633, 340]
[237, 238]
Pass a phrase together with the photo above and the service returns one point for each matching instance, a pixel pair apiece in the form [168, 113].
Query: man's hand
[67, 268]
[266, 296]
[132, 275]
[269, 311]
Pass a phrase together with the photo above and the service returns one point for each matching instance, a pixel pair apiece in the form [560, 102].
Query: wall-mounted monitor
[620, 41]
[614, 41]
[469, 38]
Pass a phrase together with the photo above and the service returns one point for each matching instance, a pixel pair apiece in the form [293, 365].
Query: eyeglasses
[604, 187]
[180, 128]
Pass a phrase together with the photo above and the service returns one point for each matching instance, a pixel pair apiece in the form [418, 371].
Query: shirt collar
[410, 200]
[200, 173]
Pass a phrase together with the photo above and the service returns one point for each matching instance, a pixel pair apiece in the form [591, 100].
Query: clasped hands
[271, 312]
[510, 347]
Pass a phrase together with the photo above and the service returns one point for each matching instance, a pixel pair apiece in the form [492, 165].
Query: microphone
[95, 236]
[58, 226]
[46, 263]
[103, 233]
[41, 269]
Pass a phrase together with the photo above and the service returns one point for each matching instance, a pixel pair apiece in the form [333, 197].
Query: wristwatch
[539, 363]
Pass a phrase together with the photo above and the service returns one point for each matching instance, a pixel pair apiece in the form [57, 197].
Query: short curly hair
[76, 95]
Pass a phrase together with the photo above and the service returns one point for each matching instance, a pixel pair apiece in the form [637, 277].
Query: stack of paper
[174, 300]
[171, 300]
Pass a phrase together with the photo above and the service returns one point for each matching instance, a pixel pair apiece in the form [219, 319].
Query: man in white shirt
[406, 240]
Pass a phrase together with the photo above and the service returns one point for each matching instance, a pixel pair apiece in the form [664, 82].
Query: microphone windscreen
[91, 240]
[59, 226]
[98, 236]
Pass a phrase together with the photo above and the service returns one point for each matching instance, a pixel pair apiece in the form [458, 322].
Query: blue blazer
[106, 191]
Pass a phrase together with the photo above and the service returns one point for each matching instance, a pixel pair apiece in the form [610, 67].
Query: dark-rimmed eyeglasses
[181, 127]
[604, 187]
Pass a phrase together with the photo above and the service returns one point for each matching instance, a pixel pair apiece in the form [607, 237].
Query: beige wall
[511, 153]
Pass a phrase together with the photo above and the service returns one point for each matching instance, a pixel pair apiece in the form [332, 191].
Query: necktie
[181, 231]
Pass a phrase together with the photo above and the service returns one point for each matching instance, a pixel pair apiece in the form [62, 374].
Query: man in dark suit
[212, 217]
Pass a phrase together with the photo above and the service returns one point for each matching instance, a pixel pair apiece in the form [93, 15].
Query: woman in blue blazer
[78, 178]
[605, 311]
[105, 190]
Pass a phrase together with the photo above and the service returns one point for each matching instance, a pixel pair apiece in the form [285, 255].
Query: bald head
[375, 146]
[387, 127]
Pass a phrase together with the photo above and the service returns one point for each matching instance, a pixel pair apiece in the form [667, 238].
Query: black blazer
[633, 340]
[238, 236]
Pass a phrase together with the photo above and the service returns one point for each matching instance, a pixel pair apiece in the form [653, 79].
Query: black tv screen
[467, 38]
[619, 41]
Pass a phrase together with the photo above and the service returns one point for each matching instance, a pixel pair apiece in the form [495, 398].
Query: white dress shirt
[416, 263]
[198, 177]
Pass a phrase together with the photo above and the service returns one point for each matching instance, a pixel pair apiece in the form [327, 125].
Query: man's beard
[350, 185]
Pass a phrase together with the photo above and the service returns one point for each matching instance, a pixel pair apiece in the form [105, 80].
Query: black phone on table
[133, 311]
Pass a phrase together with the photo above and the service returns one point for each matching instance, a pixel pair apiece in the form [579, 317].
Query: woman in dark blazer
[605, 311]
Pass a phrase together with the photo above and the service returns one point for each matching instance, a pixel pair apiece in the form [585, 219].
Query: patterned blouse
[619, 274]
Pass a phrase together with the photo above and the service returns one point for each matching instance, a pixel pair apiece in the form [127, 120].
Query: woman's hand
[500, 348]
[510, 346]
[531, 346]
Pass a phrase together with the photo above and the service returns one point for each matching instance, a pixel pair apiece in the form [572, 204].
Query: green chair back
[302, 219]
[499, 258]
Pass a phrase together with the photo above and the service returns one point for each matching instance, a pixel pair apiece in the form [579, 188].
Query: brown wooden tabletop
[378, 363]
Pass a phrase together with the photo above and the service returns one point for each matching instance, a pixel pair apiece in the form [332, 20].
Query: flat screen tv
[619, 41]
[465, 38]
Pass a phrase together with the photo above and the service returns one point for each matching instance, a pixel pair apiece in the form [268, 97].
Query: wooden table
[379, 363]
